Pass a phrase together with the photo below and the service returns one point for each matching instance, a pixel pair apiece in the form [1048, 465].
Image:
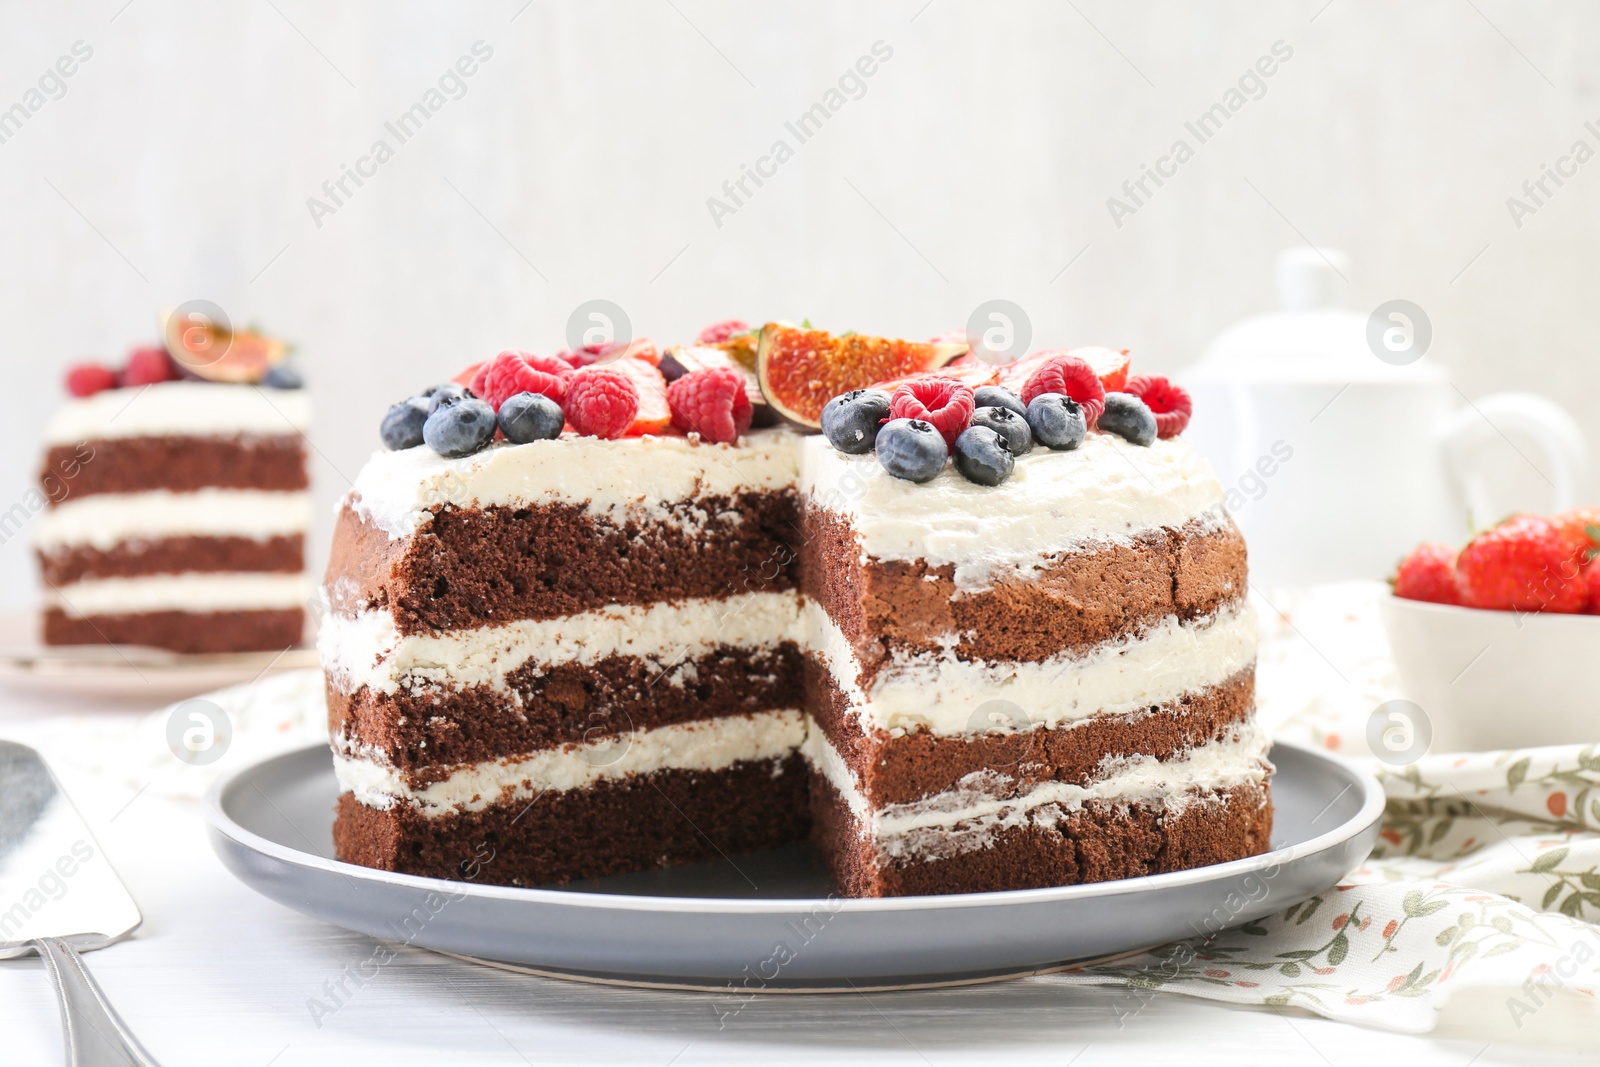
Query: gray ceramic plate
[772, 922]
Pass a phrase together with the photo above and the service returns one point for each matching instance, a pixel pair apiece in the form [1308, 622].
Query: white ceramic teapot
[1341, 447]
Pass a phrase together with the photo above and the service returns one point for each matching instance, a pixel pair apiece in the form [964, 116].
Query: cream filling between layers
[980, 806]
[631, 478]
[368, 650]
[104, 520]
[951, 696]
[180, 409]
[1105, 490]
[704, 745]
[193, 591]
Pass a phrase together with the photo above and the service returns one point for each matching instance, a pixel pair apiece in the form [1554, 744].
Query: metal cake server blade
[59, 896]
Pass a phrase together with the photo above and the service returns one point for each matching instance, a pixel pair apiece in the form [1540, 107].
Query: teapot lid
[1310, 338]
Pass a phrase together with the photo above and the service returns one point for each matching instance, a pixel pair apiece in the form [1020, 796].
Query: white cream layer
[981, 806]
[632, 477]
[704, 745]
[180, 409]
[103, 520]
[367, 649]
[1105, 490]
[948, 696]
[191, 591]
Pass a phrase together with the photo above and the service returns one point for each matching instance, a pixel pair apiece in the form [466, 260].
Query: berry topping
[654, 414]
[911, 449]
[1069, 376]
[998, 396]
[1591, 583]
[851, 420]
[982, 456]
[1519, 566]
[1579, 530]
[601, 402]
[283, 376]
[528, 417]
[944, 402]
[513, 372]
[1127, 416]
[445, 394]
[1169, 403]
[1057, 421]
[712, 403]
[87, 379]
[459, 429]
[147, 366]
[1429, 573]
[402, 426]
[718, 332]
[1012, 428]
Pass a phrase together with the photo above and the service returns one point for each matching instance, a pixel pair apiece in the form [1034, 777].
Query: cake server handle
[94, 1034]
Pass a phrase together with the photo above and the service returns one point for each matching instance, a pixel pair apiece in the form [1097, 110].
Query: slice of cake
[176, 511]
[597, 642]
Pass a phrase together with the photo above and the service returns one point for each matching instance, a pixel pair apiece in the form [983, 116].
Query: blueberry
[459, 429]
[911, 449]
[528, 417]
[402, 426]
[445, 394]
[982, 456]
[998, 396]
[1129, 418]
[430, 390]
[282, 376]
[851, 420]
[1057, 421]
[1012, 428]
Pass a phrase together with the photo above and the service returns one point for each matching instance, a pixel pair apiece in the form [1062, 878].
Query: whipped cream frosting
[103, 520]
[705, 745]
[180, 409]
[986, 803]
[1104, 490]
[946, 695]
[366, 649]
[191, 591]
[627, 478]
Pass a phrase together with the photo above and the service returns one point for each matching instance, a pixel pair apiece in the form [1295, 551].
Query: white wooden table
[219, 975]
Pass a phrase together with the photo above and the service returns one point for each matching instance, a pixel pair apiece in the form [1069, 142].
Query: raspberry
[1518, 566]
[1071, 376]
[513, 372]
[601, 402]
[944, 402]
[87, 379]
[1429, 573]
[1170, 403]
[146, 366]
[719, 332]
[712, 403]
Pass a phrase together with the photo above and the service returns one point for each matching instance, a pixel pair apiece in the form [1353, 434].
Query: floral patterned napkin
[1486, 877]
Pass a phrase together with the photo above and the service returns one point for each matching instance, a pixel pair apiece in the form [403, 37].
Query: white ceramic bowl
[1497, 679]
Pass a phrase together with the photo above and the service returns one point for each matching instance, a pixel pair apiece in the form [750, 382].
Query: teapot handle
[1566, 450]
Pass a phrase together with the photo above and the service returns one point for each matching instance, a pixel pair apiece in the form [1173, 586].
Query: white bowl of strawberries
[1499, 643]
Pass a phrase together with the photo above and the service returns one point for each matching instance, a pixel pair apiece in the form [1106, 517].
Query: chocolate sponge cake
[599, 654]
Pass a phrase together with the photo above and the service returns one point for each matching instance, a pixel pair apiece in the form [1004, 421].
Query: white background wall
[580, 158]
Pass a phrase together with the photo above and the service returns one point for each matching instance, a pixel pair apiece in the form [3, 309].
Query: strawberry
[944, 402]
[611, 351]
[87, 379]
[1517, 566]
[1591, 585]
[1170, 403]
[513, 372]
[466, 377]
[1579, 530]
[712, 403]
[601, 402]
[1072, 376]
[1110, 366]
[719, 332]
[968, 370]
[653, 415]
[147, 366]
[1429, 573]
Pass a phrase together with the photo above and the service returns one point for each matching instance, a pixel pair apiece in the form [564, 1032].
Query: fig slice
[1110, 366]
[203, 349]
[800, 370]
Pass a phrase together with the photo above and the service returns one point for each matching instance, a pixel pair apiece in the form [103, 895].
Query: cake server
[59, 896]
